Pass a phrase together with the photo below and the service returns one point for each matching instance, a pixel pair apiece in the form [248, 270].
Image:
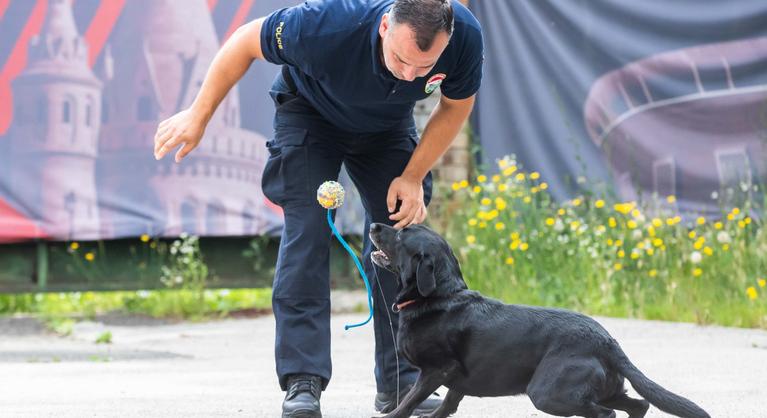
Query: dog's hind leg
[448, 407]
[565, 386]
[636, 408]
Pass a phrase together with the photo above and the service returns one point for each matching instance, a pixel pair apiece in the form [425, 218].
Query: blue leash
[359, 267]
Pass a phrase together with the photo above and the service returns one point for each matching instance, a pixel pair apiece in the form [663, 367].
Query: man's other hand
[182, 128]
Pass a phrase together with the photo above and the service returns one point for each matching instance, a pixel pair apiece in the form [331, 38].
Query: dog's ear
[424, 275]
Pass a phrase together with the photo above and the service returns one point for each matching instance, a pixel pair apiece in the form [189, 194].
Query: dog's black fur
[564, 361]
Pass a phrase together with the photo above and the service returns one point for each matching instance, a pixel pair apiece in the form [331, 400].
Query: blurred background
[614, 162]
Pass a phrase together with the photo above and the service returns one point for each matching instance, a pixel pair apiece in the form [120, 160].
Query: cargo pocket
[285, 177]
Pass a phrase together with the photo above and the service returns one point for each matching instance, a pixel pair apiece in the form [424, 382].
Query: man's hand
[410, 192]
[182, 128]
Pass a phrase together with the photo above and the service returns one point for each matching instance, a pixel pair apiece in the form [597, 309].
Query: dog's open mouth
[380, 258]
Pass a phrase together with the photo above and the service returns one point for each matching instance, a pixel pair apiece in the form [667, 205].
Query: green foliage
[621, 259]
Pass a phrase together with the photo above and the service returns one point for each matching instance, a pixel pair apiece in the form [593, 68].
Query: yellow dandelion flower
[677, 219]
[544, 186]
[476, 189]
[145, 238]
[670, 221]
[502, 163]
[650, 251]
[751, 292]
[708, 251]
[493, 214]
[496, 178]
[735, 211]
[657, 242]
[482, 224]
[464, 183]
[499, 226]
[74, 246]
[741, 224]
[514, 236]
[574, 225]
[514, 245]
[657, 222]
[612, 223]
[485, 201]
[472, 222]
[561, 212]
[609, 242]
[698, 245]
[535, 190]
[762, 282]
[502, 187]
[471, 239]
[641, 245]
[482, 178]
[535, 175]
[634, 255]
[499, 200]
[692, 234]
[747, 220]
[617, 266]
[701, 220]
[90, 256]
[456, 186]
[697, 272]
[651, 230]
[601, 228]
[636, 213]
[577, 202]
[718, 225]
[671, 199]
[730, 216]
[524, 246]
[520, 176]
[509, 171]
[726, 247]
[599, 204]
[509, 260]
[621, 253]
[631, 224]
[653, 273]
[550, 221]
[527, 199]
[618, 243]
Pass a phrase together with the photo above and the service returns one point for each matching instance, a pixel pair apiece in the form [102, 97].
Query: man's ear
[424, 275]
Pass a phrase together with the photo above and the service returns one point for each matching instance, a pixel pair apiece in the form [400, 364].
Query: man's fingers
[421, 216]
[404, 210]
[168, 145]
[186, 149]
[406, 221]
[391, 199]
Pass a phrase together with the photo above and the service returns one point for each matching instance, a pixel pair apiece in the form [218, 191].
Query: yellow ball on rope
[330, 194]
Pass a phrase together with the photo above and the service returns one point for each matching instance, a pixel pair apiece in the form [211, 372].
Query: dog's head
[423, 261]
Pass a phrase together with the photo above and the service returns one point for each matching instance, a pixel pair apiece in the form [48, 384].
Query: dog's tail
[654, 393]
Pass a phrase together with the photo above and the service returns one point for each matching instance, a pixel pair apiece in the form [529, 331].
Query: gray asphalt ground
[226, 369]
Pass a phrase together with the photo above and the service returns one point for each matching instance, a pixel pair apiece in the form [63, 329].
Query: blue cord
[359, 267]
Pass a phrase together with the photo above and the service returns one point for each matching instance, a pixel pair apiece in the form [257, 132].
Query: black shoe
[302, 399]
[387, 401]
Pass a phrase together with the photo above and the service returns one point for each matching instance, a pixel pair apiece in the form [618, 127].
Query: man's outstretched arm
[229, 65]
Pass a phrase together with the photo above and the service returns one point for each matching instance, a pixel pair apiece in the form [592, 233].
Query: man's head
[413, 35]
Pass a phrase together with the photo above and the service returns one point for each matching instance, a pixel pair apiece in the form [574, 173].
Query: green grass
[622, 259]
[58, 309]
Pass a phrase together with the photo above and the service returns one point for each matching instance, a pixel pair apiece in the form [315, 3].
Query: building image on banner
[691, 123]
[77, 154]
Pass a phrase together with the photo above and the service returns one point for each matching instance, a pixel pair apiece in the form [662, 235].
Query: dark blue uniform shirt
[332, 48]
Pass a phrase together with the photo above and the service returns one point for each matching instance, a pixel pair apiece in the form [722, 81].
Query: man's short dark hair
[426, 18]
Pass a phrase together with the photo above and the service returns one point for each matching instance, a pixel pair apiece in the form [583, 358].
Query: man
[352, 72]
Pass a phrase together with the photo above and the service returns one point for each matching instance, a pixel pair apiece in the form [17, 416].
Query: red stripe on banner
[212, 4]
[15, 227]
[239, 18]
[16, 62]
[3, 7]
[101, 27]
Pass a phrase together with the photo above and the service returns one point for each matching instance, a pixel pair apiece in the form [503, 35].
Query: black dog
[564, 361]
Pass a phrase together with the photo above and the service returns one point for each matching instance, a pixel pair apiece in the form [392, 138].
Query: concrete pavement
[226, 369]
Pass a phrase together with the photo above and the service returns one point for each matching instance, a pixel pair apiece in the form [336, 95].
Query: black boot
[386, 402]
[302, 399]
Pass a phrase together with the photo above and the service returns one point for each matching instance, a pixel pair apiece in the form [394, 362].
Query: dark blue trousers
[305, 152]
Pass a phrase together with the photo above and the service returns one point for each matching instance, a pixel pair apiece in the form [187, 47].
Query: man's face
[401, 54]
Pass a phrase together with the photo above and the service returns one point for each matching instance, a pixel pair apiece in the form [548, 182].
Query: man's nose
[409, 73]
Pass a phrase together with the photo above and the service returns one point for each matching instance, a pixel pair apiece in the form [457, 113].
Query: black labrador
[564, 361]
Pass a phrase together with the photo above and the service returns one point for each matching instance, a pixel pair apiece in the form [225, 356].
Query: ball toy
[330, 195]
